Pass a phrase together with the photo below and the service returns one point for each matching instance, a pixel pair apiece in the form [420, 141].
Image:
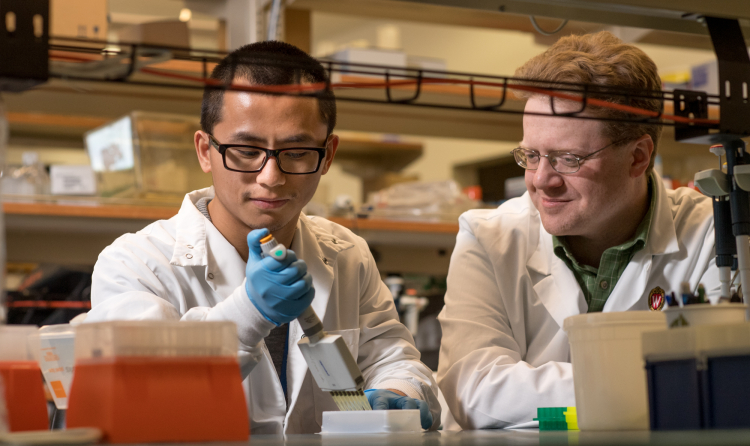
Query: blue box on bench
[698, 377]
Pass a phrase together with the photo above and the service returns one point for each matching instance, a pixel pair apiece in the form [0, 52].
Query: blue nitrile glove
[381, 399]
[281, 291]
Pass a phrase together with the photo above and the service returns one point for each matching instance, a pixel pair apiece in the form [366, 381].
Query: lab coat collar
[559, 291]
[190, 235]
[568, 300]
[662, 237]
[662, 240]
[199, 243]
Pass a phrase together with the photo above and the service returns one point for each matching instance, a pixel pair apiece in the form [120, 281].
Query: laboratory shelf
[109, 211]
[373, 224]
[401, 234]
[76, 232]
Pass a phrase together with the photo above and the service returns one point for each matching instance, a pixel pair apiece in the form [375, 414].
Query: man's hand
[281, 291]
[381, 399]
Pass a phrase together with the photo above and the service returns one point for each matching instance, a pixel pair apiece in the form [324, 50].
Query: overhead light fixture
[185, 15]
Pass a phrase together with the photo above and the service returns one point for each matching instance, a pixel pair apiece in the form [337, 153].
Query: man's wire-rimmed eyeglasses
[562, 162]
[251, 159]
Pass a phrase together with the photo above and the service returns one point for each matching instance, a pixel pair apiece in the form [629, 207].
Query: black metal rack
[371, 83]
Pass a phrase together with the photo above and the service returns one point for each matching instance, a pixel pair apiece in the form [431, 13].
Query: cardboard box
[165, 33]
[85, 19]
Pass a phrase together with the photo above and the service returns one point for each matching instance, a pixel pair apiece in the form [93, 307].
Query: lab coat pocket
[351, 337]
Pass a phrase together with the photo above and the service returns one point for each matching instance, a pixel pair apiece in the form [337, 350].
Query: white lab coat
[184, 269]
[503, 351]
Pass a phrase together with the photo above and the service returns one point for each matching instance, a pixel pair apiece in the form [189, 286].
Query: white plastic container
[56, 359]
[705, 314]
[371, 422]
[608, 368]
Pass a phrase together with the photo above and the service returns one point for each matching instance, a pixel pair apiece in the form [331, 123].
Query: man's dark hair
[267, 63]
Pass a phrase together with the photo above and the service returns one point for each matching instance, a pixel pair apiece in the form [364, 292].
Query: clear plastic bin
[155, 339]
[146, 155]
[608, 368]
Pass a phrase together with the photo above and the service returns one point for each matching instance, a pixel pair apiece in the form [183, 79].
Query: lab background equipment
[147, 156]
[48, 294]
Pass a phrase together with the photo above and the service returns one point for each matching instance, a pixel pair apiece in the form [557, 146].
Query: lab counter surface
[508, 437]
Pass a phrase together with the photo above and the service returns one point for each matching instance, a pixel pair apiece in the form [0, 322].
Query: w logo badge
[656, 299]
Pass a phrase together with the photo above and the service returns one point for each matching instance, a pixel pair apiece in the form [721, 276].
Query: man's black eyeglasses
[250, 159]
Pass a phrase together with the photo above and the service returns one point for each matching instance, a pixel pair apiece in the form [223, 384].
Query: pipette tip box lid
[155, 339]
[371, 422]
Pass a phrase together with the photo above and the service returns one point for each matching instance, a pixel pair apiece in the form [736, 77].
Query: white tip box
[371, 422]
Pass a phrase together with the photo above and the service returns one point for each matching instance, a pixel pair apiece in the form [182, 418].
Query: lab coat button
[325, 260]
[604, 284]
[334, 241]
[210, 276]
[190, 246]
[189, 256]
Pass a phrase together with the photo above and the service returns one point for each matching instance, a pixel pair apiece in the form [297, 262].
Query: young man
[266, 154]
[596, 231]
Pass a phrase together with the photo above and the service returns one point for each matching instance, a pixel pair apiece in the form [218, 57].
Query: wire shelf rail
[149, 65]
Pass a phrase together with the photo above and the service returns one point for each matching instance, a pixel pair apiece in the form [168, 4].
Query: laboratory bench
[512, 437]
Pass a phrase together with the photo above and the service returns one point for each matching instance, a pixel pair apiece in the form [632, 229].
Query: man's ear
[332, 146]
[203, 149]
[641, 155]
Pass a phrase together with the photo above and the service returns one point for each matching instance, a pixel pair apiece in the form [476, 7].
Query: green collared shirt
[597, 283]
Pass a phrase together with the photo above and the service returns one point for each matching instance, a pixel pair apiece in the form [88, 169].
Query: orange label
[57, 387]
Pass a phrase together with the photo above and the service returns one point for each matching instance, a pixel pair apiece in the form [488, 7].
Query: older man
[596, 231]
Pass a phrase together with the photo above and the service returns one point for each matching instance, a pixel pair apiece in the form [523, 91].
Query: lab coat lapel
[319, 266]
[190, 232]
[662, 239]
[559, 290]
[198, 238]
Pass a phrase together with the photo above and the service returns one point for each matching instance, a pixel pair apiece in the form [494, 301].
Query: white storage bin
[608, 368]
[705, 314]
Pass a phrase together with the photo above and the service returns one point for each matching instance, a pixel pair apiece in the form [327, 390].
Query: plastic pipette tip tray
[371, 422]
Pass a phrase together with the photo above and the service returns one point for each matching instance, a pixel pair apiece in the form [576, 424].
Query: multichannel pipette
[327, 356]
